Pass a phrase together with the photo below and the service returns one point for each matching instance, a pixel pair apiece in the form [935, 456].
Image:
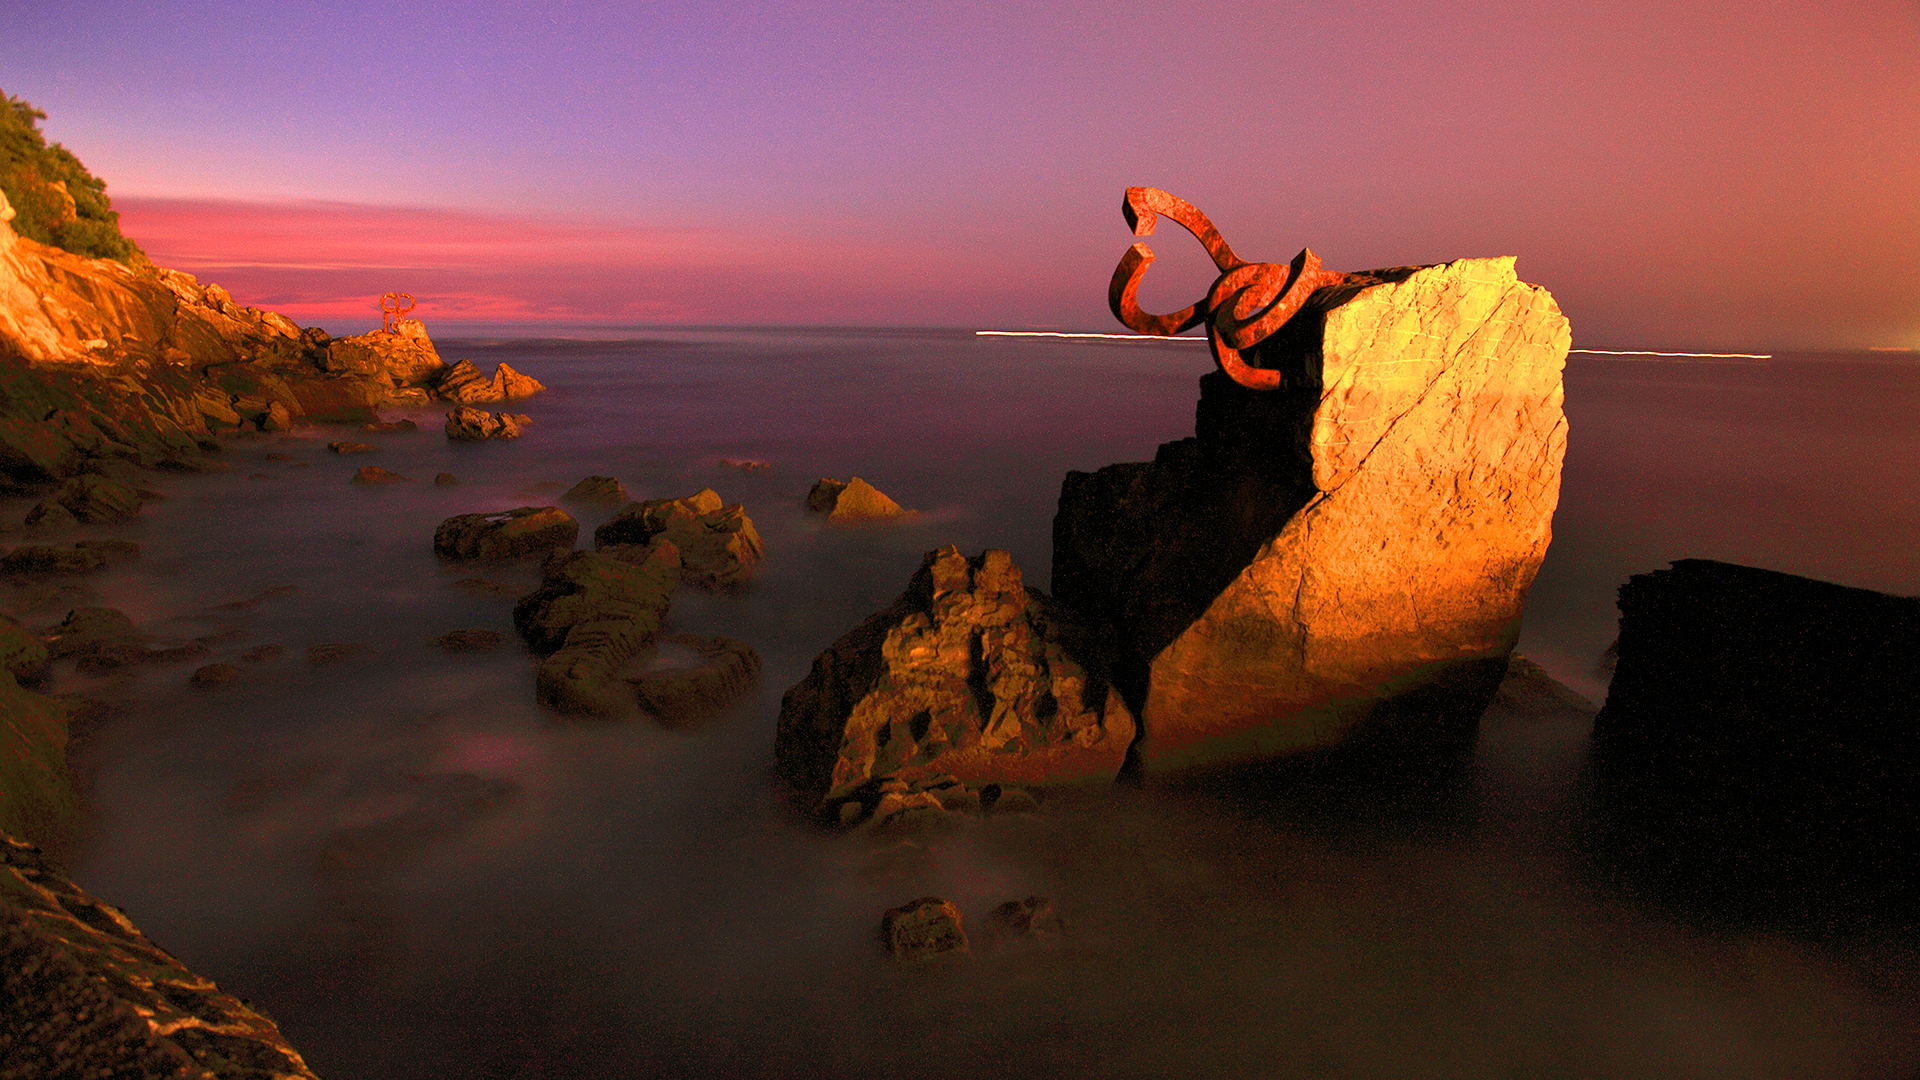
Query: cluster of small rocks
[894, 804]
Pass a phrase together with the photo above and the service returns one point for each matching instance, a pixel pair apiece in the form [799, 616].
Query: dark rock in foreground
[86, 994]
[1761, 739]
[969, 673]
[507, 534]
[83, 557]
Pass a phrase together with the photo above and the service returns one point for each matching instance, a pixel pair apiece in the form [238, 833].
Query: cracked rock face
[967, 674]
[1343, 559]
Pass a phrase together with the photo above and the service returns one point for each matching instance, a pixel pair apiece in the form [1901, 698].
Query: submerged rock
[678, 696]
[592, 613]
[1342, 560]
[969, 674]
[506, 534]
[719, 547]
[855, 500]
[478, 425]
[374, 475]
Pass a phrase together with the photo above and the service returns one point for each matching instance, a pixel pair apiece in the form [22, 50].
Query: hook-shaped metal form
[1246, 304]
[393, 306]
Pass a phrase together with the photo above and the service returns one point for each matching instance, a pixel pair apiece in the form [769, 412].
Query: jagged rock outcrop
[478, 425]
[719, 547]
[1342, 559]
[969, 673]
[87, 994]
[463, 383]
[1761, 737]
[404, 359]
[592, 613]
[525, 530]
[855, 500]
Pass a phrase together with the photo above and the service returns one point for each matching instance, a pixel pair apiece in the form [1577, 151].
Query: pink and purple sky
[1740, 175]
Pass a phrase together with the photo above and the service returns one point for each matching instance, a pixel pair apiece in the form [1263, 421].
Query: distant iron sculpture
[393, 307]
[1246, 304]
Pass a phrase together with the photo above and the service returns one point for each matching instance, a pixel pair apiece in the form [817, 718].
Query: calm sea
[419, 874]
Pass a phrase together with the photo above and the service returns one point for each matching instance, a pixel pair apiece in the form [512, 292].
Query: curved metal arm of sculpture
[1246, 304]
[391, 313]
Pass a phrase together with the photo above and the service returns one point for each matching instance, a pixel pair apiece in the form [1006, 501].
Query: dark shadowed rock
[94, 499]
[1761, 740]
[507, 534]
[331, 652]
[445, 479]
[22, 654]
[592, 614]
[926, 928]
[1342, 559]
[598, 490]
[402, 424]
[969, 673]
[719, 547]
[38, 798]
[682, 695]
[351, 447]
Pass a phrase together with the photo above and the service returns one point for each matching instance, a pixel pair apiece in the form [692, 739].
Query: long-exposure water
[418, 873]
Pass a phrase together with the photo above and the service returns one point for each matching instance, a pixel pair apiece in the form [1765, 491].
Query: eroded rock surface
[969, 673]
[719, 547]
[682, 695]
[87, 994]
[593, 612]
[1344, 558]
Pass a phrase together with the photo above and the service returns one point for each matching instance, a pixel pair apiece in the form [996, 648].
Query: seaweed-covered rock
[592, 613]
[478, 425]
[719, 547]
[968, 673]
[507, 534]
[855, 500]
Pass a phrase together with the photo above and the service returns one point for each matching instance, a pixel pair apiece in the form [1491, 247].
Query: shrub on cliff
[56, 200]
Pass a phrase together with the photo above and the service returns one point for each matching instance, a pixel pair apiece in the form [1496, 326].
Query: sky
[1737, 175]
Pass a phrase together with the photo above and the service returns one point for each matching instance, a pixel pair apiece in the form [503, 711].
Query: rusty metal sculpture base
[1247, 303]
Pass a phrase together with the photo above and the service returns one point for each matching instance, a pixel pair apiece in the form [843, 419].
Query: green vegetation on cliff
[56, 200]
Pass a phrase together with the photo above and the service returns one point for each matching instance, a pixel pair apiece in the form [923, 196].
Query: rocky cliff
[1343, 558]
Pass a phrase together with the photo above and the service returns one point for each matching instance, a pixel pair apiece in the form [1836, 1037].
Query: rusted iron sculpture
[393, 307]
[1246, 304]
